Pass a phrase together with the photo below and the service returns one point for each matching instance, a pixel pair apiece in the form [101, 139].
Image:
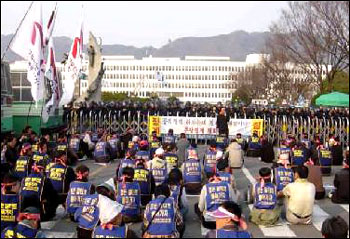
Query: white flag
[50, 26]
[29, 43]
[73, 67]
[51, 74]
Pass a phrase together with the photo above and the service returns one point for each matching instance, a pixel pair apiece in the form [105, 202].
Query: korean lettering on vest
[255, 140]
[9, 209]
[217, 193]
[155, 144]
[40, 158]
[210, 162]
[326, 157]
[298, 157]
[129, 197]
[75, 195]
[74, 144]
[159, 175]
[283, 177]
[62, 147]
[57, 176]
[225, 177]
[163, 223]
[193, 171]
[21, 168]
[116, 232]
[142, 177]
[265, 198]
[32, 185]
[21, 231]
[171, 161]
[89, 212]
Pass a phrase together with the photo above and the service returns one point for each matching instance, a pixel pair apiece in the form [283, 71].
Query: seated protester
[128, 193]
[88, 215]
[285, 150]
[37, 191]
[177, 191]
[111, 223]
[325, 160]
[95, 137]
[193, 173]
[221, 142]
[224, 172]
[10, 201]
[192, 149]
[282, 174]
[41, 155]
[267, 152]
[213, 194]
[87, 146]
[265, 211]
[254, 143]
[28, 225]
[129, 161]
[102, 153]
[162, 218]
[78, 189]
[241, 141]
[146, 181]
[143, 153]
[170, 157]
[335, 227]
[134, 143]
[62, 145]
[300, 197]
[235, 154]
[209, 159]
[114, 142]
[169, 138]
[337, 150]
[229, 222]
[315, 177]
[11, 154]
[75, 145]
[298, 156]
[61, 176]
[24, 162]
[341, 183]
[155, 143]
[158, 167]
[51, 145]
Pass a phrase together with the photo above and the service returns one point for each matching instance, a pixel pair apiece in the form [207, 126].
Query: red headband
[28, 216]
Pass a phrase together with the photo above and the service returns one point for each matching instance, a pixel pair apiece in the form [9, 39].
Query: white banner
[203, 125]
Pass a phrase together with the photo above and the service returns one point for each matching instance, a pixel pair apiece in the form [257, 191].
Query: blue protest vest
[171, 160]
[283, 176]
[298, 157]
[40, 157]
[210, 161]
[61, 147]
[9, 210]
[285, 151]
[192, 171]
[143, 155]
[125, 163]
[221, 142]
[77, 190]
[113, 143]
[169, 139]
[159, 174]
[94, 138]
[21, 231]
[75, 144]
[57, 176]
[88, 214]
[217, 193]
[32, 186]
[35, 148]
[22, 167]
[129, 195]
[265, 198]
[325, 161]
[49, 165]
[116, 232]
[142, 177]
[222, 233]
[163, 223]
[225, 177]
[175, 192]
[254, 144]
[101, 150]
[155, 144]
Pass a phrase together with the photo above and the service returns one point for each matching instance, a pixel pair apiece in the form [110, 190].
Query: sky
[149, 23]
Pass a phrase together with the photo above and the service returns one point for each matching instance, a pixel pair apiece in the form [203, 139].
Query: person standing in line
[182, 144]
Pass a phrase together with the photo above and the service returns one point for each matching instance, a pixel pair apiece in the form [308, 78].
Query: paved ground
[62, 227]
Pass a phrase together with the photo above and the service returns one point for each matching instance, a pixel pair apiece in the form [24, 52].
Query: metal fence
[276, 128]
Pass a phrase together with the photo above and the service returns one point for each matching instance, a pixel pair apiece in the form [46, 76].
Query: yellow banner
[154, 124]
[258, 126]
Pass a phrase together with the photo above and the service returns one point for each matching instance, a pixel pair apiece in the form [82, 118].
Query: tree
[315, 37]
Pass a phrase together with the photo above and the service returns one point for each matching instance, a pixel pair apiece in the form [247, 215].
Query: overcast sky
[149, 23]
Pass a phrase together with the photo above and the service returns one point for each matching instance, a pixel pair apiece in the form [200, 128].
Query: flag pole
[20, 24]
[30, 107]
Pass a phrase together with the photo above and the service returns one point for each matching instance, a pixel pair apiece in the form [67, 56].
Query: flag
[73, 66]
[29, 43]
[50, 26]
[51, 74]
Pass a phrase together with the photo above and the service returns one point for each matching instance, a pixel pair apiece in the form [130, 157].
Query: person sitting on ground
[128, 161]
[143, 153]
[193, 173]
[146, 181]
[341, 183]
[265, 211]
[112, 225]
[128, 193]
[224, 173]
[241, 141]
[315, 177]
[178, 192]
[27, 227]
[235, 154]
[230, 222]
[337, 150]
[169, 138]
[209, 159]
[162, 218]
[213, 194]
[24, 162]
[298, 155]
[282, 174]
[102, 153]
[335, 227]
[158, 167]
[299, 197]
[155, 143]
[78, 189]
[170, 157]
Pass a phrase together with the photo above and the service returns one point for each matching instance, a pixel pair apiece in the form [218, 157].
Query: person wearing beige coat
[235, 154]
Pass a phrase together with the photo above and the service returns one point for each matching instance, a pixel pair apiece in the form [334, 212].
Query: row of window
[171, 77]
[232, 85]
[173, 68]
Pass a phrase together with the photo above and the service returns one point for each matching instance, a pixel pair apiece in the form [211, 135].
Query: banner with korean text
[203, 125]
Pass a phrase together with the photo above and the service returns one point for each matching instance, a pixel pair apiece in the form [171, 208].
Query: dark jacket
[337, 154]
[221, 124]
[341, 183]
